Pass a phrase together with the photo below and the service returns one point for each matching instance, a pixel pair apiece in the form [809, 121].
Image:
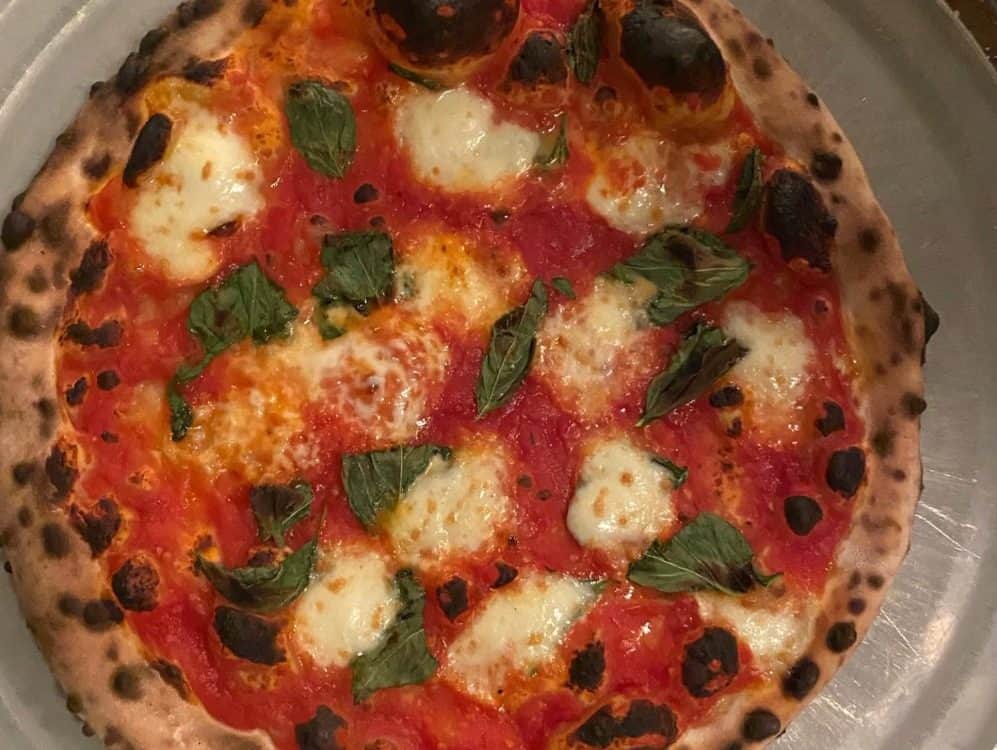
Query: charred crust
[105, 335]
[795, 215]
[24, 322]
[205, 72]
[193, 11]
[37, 281]
[870, 240]
[102, 614]
[452, 597]
[884, 442]
[841, 636]
[856, 606]
[833, 419]
[17, 229]
[319, 732]
[540, 60]
[25, 517]
[587, 667]
[55, 541]
[132, 74]
[126, 683]
[845, 471]
[801, 679]
[151, 41]
[69, 605]
[762, 68]
[98, 526]
[23, 471]
[802, 514]
[108, 380]
[254, 12]
[760, 724]
[642, 719]
[875, 581]
[506, 575]
[97, 166]
[150, 145]
[136, 585]
[826, 166]
[248, 636]
[76, 392]
[813, 100]
[710, 663]
[90, 273]
[599, 730]
[61, 472]
[173, 676]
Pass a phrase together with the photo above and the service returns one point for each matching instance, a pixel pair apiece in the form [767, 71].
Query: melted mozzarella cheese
[623, 499]
[208, 177]
[517, 631]
[456, 507]
[589, 350]
[346, 610]
[774, 372]
[645, 182]
[456, 143]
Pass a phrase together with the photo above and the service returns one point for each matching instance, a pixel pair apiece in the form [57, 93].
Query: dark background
[980, 16]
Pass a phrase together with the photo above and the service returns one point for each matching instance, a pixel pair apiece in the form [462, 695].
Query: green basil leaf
[679, 473]
[750, 189]
[688, 266]
[323, 127]
[360, 269]
[376, 481]
[278, 507]
[510, 352]
[403, 658]
[705, 355]
[584, 41]
[709, 553]
[264, 588]
[563, 286]
[181, 415]
[555, 154]
[420, 80]
[326, 328]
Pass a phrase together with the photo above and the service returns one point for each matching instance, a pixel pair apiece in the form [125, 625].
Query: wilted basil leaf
[584, 41]
[376, 481]
[555, 153]
[323, 127]
[688, 266]
[750, 189]
[417, 78]
[510, 352]
[563, 286]
[679, 473]
[278, 507]
[403, 658]
[360, 268]
[709, 553]
[326, 328]
[705, 355]
[181, 415]
[263, 588]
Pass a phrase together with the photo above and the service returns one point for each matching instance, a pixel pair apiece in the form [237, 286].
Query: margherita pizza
[408, 374]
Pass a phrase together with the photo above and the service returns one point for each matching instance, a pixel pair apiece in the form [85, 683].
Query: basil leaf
[563, 286]
[420, 80]
[323, 127]
[376, 481]
[360, 268]
[278, 507]
[510, 352]
[584, 41]
[750, 189]
[264, 588]
[705, 355]
[709, 553]
[688, 266]
[403, 658]
[679, 473]
[326, 328]
[556, 153]
[181, 415]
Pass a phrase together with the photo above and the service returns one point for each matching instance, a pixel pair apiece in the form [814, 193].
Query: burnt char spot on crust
[319, 732]
[23, 322]
[69, 605]
[833, 419]
[205, 72]
[795, 215]
[17, 229]
[587, 667]
[102, 614]
[599, 730]
[539, 61]
[196, 10]
[126, 683]
[710, 663]
[642, 719]
[452, 597]
[870, 240]
[254, 12]
[151, 41]
[149, 147]
[96, 166]
[25, 517]
[23, 472]
[136, 584]
[856, 606]
[248, 636]
[61, 472]
[845, 471]
[932, 322]
[105, 335]
[875, 581]
[76, 392]
[760, 724]
[99, 526]
[801, 679]
[173, 676]
[671, 50]
[826, 166]
[841, 636]
[132, 74]
[90, 272]
[506, 575]
[802, 514]
[884, 442]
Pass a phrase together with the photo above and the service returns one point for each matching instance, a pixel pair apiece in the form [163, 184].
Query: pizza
[401, 374]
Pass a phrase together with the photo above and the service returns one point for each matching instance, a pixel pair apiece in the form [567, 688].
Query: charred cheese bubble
[644, 183]
[456, 143]
[517, 631]
[457, 507]
[208, 177]
[589, 350]
[623, 499]
[347, 608]
[773, 374]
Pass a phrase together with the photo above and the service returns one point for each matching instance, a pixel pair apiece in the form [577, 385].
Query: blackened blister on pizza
[17, 229]
[90, 273]
[645, 718]
[173, 676]
[192, 11]
[599, 730]
[132, 73]
[588, 666]
[319, 732]
[845, 471]
[802, 514]
[833, 419]
[801, 679]
[729, 395]
[841, 636]
[61, 472]
[97, 526]
[365, 193]
[102, 614]
[506, 575]
[710, 663]
[795, 215]
[671, 50]
[248, 636]
[760, 724]
[826, 166]
[76, 392]
[104, 336]
[205, 72]
[136, 584]
[540, 60]
[452, 597]
[108, 380]
[149, 148]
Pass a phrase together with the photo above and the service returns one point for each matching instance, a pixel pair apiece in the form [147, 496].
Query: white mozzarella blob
[646, 182]
[456, 143]
[347, 608]
[589, 350]
[208, 177]
[517, 631]
[774, 372]
[623, 499]
[456, 507]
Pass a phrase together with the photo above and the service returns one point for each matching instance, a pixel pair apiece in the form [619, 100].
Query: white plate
[920, 102]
